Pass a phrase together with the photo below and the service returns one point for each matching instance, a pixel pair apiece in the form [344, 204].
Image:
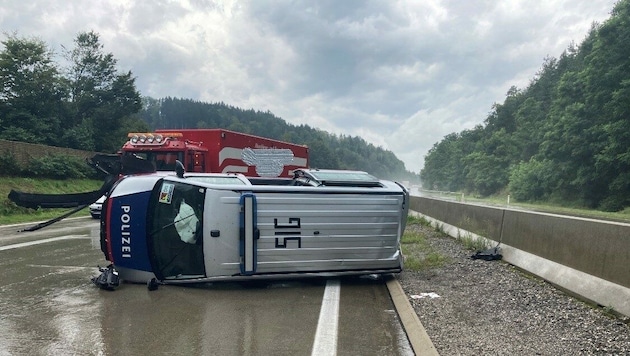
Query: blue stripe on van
[128, 232]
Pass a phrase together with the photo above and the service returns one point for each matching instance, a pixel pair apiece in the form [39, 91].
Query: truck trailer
[217, 151]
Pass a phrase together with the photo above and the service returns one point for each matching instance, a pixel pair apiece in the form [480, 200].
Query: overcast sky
[399, 74]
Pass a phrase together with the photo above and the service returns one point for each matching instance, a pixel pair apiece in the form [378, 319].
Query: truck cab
[162, 150]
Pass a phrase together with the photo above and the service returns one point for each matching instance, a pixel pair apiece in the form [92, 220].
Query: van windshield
[161, 160]
[175, 222]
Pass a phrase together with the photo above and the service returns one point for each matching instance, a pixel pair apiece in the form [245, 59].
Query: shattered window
[176, 225]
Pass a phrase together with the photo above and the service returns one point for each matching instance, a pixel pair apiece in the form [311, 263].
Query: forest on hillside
[325, 150]
[565, 138]
[87, 104]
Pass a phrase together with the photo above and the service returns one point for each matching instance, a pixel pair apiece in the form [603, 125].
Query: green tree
[533, 180]
[99, 95]
[324, 157]
[31, 92]
[443, 168]
[563, 138]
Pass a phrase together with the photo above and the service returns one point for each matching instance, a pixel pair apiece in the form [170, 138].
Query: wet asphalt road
[48, 306]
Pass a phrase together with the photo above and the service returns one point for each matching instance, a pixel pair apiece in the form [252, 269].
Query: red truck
[217, 151]
[200, 150]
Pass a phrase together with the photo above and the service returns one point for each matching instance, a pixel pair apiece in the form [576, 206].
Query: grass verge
[13, 214]
[419, 255]
[472, 243]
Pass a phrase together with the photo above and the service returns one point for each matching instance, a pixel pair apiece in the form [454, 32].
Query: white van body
[208, 227]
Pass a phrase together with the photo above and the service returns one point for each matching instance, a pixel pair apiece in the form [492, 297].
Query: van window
[175, 223]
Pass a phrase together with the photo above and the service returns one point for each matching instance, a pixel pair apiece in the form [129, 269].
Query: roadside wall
[23, 151]
[565, 250]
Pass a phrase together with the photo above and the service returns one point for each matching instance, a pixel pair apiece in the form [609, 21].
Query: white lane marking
[37, 242]
[326, 336]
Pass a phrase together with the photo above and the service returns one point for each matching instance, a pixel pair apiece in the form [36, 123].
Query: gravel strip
[492, 308]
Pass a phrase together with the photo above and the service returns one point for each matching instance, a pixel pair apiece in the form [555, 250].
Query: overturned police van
[205, 227]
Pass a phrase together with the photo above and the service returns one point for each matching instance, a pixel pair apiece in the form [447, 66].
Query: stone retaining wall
[23, 152]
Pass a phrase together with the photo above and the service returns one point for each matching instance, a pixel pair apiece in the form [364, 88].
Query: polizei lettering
[125, 233]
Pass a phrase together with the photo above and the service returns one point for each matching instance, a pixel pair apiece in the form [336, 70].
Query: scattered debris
[425, 295]
[488, 255]
[108, 279]
[153, 284]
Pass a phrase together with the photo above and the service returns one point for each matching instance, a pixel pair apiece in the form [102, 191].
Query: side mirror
[179, 169]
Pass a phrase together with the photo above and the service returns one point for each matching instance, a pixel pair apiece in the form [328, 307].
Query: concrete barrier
[587, 257]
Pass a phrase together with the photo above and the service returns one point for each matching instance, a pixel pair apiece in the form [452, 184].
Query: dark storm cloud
[401, 74]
